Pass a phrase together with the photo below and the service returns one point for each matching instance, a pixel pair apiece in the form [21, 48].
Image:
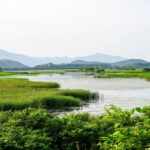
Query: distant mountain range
[79, 62]
[11, 64]
[32, 61]
[102, 58]
[130, 63]
[18, 61]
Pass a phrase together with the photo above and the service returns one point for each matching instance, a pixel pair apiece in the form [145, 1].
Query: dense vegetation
[146, 69]
[37, 129]
[126, 73]
[27, 124]
[69, 66]
[22, 93]
[5, 73]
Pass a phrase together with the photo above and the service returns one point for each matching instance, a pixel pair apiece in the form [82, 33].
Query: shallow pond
[125, 93]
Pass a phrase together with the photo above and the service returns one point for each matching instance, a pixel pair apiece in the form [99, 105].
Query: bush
[38, 129]
[146, 69]
[100, 70]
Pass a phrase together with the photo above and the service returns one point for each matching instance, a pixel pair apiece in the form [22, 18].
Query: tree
[146, 69]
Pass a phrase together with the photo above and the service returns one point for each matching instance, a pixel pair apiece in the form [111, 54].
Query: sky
[76, 27]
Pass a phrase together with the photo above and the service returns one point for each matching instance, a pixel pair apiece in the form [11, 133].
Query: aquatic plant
[16, 94]
[81, 94]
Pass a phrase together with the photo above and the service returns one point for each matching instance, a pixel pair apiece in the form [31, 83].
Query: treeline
[70, 66]
[91, 67]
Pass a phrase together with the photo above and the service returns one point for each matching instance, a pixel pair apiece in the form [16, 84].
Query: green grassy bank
[22, 93]
[117, 73]
[37, 72]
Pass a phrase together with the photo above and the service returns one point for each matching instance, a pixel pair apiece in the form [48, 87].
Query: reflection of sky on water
[125, 93]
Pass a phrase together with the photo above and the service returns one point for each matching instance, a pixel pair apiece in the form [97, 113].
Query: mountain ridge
[11, 64]
[78, 61]
[33, 61]
[135, 63]
[130, 63]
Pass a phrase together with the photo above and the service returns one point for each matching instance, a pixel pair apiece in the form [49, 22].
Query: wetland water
[125, 93]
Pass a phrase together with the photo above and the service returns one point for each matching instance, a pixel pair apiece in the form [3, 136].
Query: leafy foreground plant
[37, 129]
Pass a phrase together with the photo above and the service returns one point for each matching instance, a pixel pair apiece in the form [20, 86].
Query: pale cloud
[76, 27]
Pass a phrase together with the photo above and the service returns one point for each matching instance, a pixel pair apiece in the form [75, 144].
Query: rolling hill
[11, 64]
[131, 63]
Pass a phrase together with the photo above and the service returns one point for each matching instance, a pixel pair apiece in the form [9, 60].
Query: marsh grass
[10, 73]
[37, 72]
[16, 94]
[55, 71]
[124, 74]
[47, 72]
[81, 94]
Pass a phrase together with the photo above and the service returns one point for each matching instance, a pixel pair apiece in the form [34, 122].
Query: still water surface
[125, 93]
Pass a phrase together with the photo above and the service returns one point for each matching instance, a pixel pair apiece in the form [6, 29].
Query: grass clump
[81, 94]
[45, 101]
[16, 94]
[43, 84]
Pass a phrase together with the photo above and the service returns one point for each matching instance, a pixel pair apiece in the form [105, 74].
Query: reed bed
[16, 94]
[81, 94]
[119, 74]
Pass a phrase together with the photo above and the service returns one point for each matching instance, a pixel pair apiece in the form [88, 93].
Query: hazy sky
[76, 27]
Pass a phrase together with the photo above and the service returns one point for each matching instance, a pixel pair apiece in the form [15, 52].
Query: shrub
[146, 69]
[39, 129]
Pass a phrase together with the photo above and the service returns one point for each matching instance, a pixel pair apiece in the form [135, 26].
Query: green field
[37, 72]
[117, 73]
[22, 93]
[9, 73]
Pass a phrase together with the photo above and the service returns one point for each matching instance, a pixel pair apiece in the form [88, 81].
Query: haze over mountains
[131, 63]
[11, 64]
[33, 61]
[10, 60]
